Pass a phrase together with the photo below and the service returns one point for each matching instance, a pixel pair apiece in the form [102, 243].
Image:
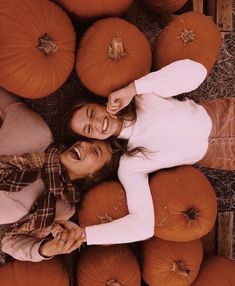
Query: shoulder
[129, 165]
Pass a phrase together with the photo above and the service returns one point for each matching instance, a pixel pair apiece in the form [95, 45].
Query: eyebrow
[84, 128]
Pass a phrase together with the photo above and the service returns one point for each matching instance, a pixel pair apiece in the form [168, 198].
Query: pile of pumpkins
[185, 210]
[38, 51]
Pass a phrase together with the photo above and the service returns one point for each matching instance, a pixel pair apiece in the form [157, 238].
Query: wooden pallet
[220, 10]
[220, 240]
[225, 234]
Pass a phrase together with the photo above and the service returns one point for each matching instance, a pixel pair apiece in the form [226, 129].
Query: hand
[119, 99]
[69, 237]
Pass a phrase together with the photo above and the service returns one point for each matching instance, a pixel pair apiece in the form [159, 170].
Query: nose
[96, 122]
[86, 146]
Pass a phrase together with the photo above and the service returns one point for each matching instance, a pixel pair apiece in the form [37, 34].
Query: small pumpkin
[48, 272]
[90, 9]
[164, 6]
[170, 263]
[191, 35]
[216, 271]
[37, 47]
[112, 53]
[108, 265]
[184, 203]
[102, 204]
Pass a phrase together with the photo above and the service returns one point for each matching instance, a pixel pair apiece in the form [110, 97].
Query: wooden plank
[211, 8]
[209, 243]
[225, 233]
[198, 6]
[224, 15]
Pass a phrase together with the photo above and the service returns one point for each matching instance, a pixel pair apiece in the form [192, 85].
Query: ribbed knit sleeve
[176, 78]
[139, 224]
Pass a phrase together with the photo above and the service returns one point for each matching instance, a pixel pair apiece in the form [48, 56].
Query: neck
[119, 127]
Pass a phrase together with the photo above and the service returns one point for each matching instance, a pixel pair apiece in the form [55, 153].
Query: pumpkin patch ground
[220, 83]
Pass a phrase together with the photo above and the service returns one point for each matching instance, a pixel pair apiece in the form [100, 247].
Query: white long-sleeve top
[174, 132]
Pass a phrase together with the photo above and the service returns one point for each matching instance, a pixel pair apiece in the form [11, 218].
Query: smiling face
[85, 158]
[93, 121]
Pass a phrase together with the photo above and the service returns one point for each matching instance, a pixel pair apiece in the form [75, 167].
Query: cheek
[98, 135]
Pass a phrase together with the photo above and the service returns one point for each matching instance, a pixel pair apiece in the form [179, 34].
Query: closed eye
[87, 129]
[96, 152]
[99, 151]
[90, 112]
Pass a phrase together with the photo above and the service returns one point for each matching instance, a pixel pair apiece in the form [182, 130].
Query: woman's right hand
[119, 99]
[70, 238]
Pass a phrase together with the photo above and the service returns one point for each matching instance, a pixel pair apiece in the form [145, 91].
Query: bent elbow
[199, 74]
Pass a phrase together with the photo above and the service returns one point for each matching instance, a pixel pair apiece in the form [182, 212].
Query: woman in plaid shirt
[39, 189]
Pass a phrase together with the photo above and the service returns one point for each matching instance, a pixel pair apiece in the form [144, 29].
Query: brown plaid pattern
[17, 171]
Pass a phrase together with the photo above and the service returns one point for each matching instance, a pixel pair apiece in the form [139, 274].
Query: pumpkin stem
[191, 214]
[113, 282]
[105, 219]
[187, 36]
[116, 50]
[181, 268]
[47, 45]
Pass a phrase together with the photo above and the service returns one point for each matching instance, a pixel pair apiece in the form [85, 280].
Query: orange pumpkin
[108, 265]
[184, 202]
[216, 271]
[164, 6]
[103, 203]
[171, 263]
[23, 273]
[193, 36]
[85, 9]
[112, 53]
[37, 47]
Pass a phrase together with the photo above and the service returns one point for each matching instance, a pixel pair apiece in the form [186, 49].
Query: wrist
[43, 250]
[84, 238]
[132, 89]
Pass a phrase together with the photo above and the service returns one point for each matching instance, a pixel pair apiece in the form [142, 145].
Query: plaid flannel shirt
[17, 171]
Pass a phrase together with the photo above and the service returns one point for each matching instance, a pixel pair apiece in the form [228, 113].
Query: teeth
[78, 152]
[105, 124]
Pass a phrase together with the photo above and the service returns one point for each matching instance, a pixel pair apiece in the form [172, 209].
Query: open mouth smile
[75, 153]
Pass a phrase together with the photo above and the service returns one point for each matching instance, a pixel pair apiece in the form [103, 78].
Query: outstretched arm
[176, 78]
[139, 223]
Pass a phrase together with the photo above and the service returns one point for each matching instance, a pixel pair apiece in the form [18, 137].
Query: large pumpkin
[89, 9]
[216, 271]
[184, 203]
[108, 265]
[23, 273]
[164, 6]
[103, 203]
[171, 263]
[191, 35]
[112, 53]
[37, 47]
